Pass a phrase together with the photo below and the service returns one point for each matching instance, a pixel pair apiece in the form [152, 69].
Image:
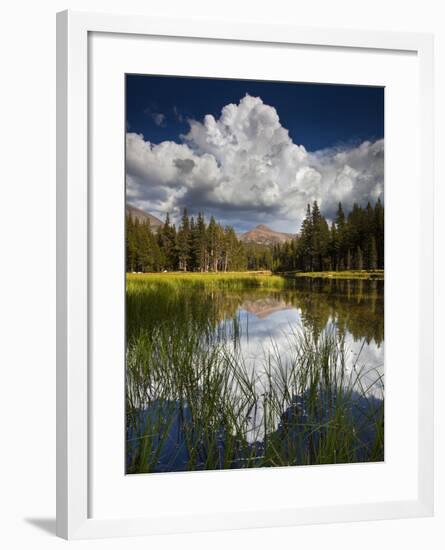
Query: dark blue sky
[317, 115]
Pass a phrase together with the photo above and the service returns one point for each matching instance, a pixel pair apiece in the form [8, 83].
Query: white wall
[27, 301]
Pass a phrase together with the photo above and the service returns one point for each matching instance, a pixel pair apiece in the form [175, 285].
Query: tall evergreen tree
[184, 242]
[199, 244]
[334, 247]
[316, 245]
[379, 221]
[343, 245]
[167, 241]
[359, 259]
[304, 249]
[372, 254]
[130, 245]
[214, 244]
[348, 262]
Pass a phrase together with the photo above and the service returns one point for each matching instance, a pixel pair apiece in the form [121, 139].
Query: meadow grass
[239, 279]
[193, 403]
[236, 279]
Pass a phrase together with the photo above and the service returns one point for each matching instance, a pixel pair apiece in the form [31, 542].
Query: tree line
[193, 246]
[353, 241]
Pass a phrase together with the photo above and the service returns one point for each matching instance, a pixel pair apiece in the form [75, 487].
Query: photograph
[254, 273]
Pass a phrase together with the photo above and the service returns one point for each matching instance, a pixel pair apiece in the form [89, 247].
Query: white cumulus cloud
[245, 169]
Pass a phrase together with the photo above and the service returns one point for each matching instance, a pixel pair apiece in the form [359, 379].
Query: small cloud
[158, 118]
[177, 114]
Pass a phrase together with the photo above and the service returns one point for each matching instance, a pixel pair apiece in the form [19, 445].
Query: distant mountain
[261, 234]
[142, 216]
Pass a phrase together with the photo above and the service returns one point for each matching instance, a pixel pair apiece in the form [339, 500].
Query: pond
[233, 375]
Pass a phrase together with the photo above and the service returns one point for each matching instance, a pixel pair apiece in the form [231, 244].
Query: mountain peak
[142, 216]
[262, 234]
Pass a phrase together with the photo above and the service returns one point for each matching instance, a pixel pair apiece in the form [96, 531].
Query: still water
[256, 415]
[353, 309]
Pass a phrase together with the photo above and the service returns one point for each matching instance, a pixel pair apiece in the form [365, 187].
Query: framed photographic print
[254, 287]
[244, 275]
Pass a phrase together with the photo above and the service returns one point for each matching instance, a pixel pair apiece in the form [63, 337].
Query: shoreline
[377, 274]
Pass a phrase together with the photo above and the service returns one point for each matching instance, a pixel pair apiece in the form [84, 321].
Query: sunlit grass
[244, 279]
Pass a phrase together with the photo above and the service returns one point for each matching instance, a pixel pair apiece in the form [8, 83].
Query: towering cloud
[244, 168]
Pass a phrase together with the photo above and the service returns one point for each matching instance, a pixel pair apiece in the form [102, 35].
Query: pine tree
[348, 263]
[340, 222]
[130, 245]
[183, 242]
[379, 220]
[359, 259]
[145, 258]
[304, 248]
[315, 250]
[334, 247]
[340, 217]
[372, 254]
[167, 242]
[356, 228]
[191, 265]
[230, 245]
[214, 244]
[199, 244]
[325, 260]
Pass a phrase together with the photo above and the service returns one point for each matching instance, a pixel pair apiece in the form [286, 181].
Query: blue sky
[239, 149]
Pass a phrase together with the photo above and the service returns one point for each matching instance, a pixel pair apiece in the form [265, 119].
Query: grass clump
[226, 280]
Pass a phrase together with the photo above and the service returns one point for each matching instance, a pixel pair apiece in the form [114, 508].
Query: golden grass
[178, 278]
[258, 278]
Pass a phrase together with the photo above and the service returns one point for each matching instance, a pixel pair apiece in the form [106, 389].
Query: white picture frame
[75, 478]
